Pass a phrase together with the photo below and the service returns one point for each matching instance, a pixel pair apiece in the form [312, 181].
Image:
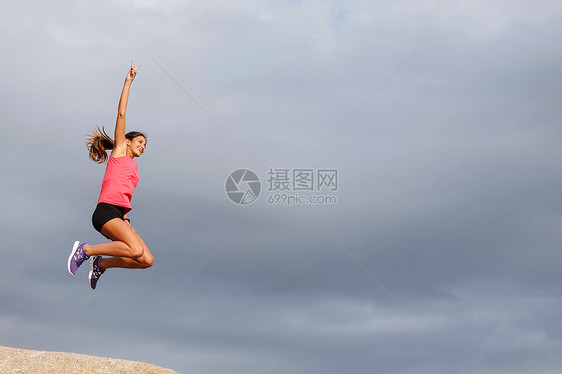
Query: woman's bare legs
[127, 249]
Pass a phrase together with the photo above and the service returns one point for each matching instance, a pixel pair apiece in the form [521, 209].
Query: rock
[23, 361]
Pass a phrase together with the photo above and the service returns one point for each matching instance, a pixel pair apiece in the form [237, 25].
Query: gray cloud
[448, 184]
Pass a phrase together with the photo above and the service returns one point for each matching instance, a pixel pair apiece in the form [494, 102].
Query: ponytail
[98, 143]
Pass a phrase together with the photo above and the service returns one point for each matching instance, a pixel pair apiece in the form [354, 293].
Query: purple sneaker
[77, 257]
[95, 271]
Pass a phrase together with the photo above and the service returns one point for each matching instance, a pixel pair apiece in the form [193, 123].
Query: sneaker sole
[74, 248]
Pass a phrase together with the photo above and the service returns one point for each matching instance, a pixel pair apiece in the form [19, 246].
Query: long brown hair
[98, 143]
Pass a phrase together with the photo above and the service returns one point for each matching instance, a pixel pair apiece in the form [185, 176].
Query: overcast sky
[441, 118]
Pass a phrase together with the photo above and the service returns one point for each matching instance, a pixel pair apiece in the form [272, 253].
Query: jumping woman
[126, 249]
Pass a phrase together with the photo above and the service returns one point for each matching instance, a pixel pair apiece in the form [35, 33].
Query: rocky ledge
[23, 361]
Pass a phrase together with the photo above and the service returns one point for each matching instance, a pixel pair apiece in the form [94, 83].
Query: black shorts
[104, 213]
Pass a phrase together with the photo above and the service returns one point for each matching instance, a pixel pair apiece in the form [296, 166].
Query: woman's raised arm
[120, 141]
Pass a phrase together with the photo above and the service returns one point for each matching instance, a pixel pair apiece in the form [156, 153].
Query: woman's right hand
[132, 73]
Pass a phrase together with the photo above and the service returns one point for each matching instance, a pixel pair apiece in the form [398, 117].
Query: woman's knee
[149, 261]
[136, 251]
[146, 261]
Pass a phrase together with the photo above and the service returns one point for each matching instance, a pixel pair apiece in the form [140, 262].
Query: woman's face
[137, 145]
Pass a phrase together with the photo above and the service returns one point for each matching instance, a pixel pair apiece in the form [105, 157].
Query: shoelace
[97, 271]
[79, 256]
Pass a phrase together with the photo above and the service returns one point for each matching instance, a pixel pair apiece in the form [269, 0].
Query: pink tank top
[119, 182]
